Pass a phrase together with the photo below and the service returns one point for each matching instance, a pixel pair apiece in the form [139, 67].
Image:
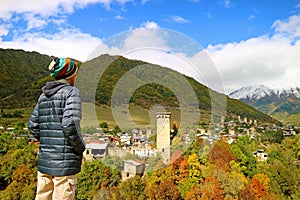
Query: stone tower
[163, 140]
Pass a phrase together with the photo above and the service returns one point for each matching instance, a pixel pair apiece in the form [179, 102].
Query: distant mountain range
[282, 104]
[24, 73]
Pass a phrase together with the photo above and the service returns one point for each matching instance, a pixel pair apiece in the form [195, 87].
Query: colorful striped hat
[62, 68]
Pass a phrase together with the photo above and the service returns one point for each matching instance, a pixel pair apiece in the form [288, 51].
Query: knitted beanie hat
[62, 68]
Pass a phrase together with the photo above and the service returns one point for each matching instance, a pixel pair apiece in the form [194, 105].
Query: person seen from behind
[55, 123]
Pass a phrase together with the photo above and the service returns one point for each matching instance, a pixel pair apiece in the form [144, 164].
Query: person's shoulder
[71, 87]
[73, 90]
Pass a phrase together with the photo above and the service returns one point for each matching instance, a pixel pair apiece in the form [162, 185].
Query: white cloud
[59, 21]
[159, 55]
[46, 8]
[149, 24]
[262, 60]
[119, 17]
[66, 40]
[34, 22]
[289, 29]
[180, 19]
[4, 29]
[66, 43]
[177, 19]
[146, 36]
[254, 13]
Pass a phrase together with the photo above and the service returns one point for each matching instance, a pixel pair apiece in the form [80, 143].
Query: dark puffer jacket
[55, 122]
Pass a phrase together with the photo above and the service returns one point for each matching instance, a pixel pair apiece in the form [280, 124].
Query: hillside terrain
[19, 69]
[21, 84]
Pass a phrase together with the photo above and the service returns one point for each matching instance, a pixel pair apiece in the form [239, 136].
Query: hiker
[55, 123]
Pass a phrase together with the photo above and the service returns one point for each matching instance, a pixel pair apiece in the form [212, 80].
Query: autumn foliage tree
[95, 176]
[166, 190]
[209, 189]
[18, 168]
[183, 169]
[259, 190]
[132, 188]
[220, 155]
[193, 177]
[247, 193]
[22, 186]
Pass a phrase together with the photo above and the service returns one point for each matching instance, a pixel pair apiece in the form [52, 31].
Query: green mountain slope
[26, 72]
[282, 104]
[112, 68]
[283, 108]
[19, 69]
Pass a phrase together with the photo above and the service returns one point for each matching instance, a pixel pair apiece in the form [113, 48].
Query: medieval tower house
[163, 140]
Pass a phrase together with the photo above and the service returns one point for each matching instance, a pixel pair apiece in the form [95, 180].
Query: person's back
[55, 122]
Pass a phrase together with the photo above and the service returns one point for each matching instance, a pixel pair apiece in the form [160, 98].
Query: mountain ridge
[282, 103]
[145, 96]
[260, 91]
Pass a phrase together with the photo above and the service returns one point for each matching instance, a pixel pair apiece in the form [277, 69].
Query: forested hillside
[24, 74]
[19, 69]
[113, 68]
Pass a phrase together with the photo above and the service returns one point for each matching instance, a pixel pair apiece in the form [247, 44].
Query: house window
[87, 151]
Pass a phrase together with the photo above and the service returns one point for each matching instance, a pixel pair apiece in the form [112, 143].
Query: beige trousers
[55, 188]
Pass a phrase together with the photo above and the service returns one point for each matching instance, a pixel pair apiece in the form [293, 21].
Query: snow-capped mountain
[282, 104]
[288, 92]
[251, 92]
[257, 92]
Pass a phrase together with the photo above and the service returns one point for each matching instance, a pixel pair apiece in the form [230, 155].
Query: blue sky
[249, 42]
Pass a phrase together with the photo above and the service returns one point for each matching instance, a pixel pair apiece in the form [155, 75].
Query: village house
[95, 149]
[133, 168]
[143, 151]
[125, 139]
[260, 154]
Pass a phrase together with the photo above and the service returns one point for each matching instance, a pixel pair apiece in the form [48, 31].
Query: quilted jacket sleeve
[33, 124]
[71, 121]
